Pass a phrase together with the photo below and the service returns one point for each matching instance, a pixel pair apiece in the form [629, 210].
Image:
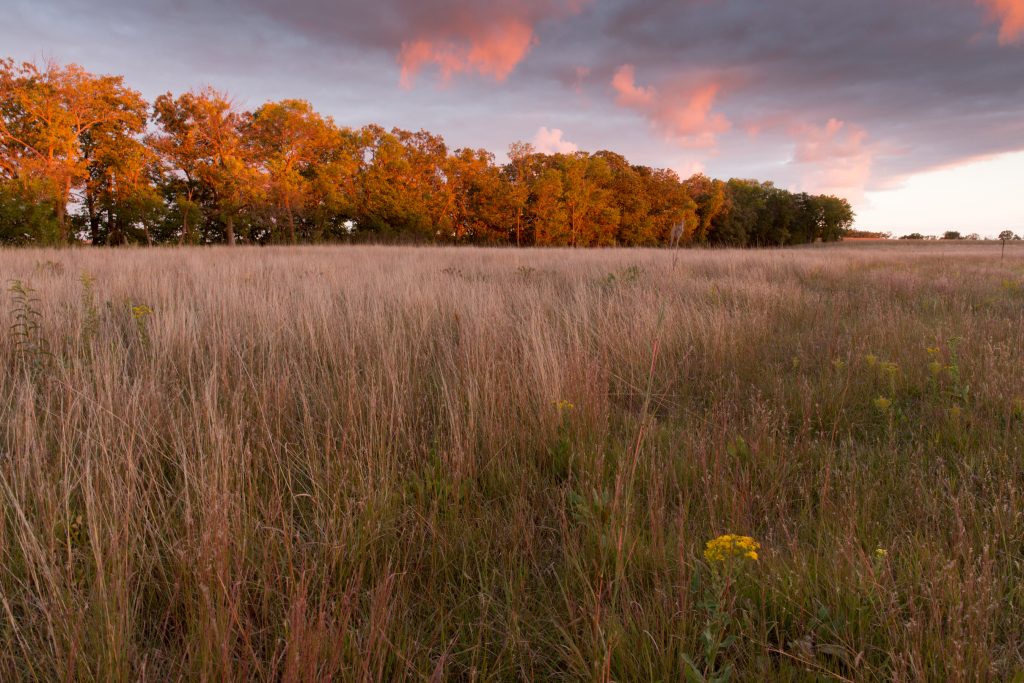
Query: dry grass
[351, 464]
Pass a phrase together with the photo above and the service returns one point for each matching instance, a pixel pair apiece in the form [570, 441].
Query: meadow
[416, 463]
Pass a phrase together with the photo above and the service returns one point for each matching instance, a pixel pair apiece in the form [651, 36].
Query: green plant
[90, 312]
[31, 347]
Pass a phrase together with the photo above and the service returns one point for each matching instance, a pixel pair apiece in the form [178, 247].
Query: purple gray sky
[913, 109]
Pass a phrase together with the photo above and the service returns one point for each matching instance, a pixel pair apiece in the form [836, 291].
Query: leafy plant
[31, 347]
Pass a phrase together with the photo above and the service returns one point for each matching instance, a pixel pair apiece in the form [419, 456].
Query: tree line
[1004, 236]
[85, 158]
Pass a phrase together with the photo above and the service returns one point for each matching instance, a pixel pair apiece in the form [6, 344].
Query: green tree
[26, 215]
[747, 206]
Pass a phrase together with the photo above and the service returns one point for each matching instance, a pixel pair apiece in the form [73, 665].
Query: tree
[291, 144]
[836, 218]
[195, 169]
[951, 235]
[1006, 236]
[403, 186]
[482, 203]
[747, 206]
[120, 195]
[26, 217]
[518, 177]
[592, 219]
[668, 205]
[711, 202]
[201, 140]
[51, 120]
[548, 218]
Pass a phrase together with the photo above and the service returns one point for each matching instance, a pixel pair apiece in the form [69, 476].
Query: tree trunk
[113, 234]
[60, 208]
[291, 227]
[229, 229]
[94, 219]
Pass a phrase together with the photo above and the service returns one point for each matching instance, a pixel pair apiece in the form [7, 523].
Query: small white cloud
[550, 141]
[685, 169]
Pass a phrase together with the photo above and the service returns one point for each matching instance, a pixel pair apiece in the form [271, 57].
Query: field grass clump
[379, 464]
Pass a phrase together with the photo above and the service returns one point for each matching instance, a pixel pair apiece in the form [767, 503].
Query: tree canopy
[84, 158]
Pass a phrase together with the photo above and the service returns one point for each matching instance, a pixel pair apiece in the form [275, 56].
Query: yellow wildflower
[881, 553]
[564, 405]
[731, 546]
[935, 367]
[882, 403]
[932, 351]
[871, 359]
[141, 311]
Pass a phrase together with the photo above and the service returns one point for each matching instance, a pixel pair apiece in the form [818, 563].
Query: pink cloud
[552, 141]
[494, 52]
[479, 38]
[630, 94]
[687, 116]
[837, 158]
[1011, 15]
[683, 114]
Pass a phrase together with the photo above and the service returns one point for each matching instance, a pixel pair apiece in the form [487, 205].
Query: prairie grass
[383, 464]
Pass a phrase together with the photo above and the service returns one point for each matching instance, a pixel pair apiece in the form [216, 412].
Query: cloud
[471, 36]
[920, 75]
[685, 169]
[835, 158]
[630, 94]
[1011, 15]
[551, 141]
[686, 115]
[681, 113]
[493, 51]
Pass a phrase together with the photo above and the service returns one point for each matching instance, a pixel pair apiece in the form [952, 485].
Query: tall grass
[384, 464]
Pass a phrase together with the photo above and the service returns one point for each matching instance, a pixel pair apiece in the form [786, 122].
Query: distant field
[381, 464]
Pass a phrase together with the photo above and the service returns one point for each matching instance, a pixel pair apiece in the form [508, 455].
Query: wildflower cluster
[564, 405]
[141, 311]
[731, 546]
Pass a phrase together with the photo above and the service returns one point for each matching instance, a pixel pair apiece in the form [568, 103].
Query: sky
[911, 109]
